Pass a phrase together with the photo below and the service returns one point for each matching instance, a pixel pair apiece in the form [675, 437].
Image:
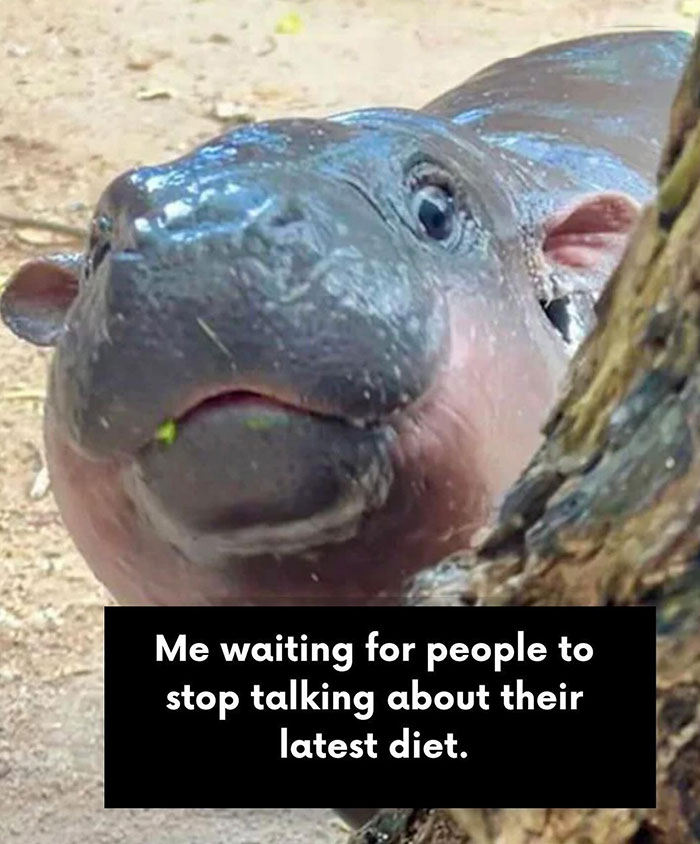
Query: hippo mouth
[237, 398]
[263, 402]
[243, 473]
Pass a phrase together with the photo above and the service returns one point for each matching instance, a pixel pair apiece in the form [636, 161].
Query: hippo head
[297, 364]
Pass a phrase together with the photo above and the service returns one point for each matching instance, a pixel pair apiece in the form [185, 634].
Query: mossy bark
[608, 512]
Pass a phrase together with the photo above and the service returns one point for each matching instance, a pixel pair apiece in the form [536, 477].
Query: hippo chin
[303, 361]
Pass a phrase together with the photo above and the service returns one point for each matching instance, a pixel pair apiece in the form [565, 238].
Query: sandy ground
[72, 115]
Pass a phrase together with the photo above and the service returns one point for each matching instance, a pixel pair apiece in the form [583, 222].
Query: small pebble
[154, 94]
[143, 57]
[17, 51]
[231, 113]
[41, 484]
[35, 237]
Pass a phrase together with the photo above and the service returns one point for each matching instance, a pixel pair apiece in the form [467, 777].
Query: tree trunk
[608, 512]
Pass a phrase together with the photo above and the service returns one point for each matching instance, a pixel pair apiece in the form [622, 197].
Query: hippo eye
[434, 207]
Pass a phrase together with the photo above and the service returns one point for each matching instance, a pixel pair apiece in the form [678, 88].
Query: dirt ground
[87, 90]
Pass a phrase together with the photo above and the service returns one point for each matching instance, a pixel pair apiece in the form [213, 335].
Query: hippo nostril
[100, 254]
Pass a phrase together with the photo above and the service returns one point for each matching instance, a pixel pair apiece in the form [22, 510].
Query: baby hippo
[304, 361]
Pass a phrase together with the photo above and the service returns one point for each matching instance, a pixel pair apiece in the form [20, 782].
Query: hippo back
[595, 108]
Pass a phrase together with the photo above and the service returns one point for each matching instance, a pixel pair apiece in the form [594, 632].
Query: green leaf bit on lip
[263, 422]
[167, 432]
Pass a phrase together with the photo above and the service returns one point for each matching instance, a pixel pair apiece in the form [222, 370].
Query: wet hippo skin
[305, 360]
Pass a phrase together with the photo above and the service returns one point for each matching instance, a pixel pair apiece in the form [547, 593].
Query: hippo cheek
[247, 476]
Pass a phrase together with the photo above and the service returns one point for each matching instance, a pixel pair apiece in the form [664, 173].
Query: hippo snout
[241, 317]
[267, 293]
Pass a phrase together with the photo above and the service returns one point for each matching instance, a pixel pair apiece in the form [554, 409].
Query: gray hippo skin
[303, 361]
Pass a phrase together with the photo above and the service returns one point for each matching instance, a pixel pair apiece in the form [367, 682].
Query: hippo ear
[591, 234]
[37, 297]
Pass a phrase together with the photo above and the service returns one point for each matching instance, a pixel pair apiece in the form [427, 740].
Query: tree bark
[608, 512]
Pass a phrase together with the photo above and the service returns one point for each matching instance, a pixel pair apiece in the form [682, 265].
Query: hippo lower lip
[249, 473]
